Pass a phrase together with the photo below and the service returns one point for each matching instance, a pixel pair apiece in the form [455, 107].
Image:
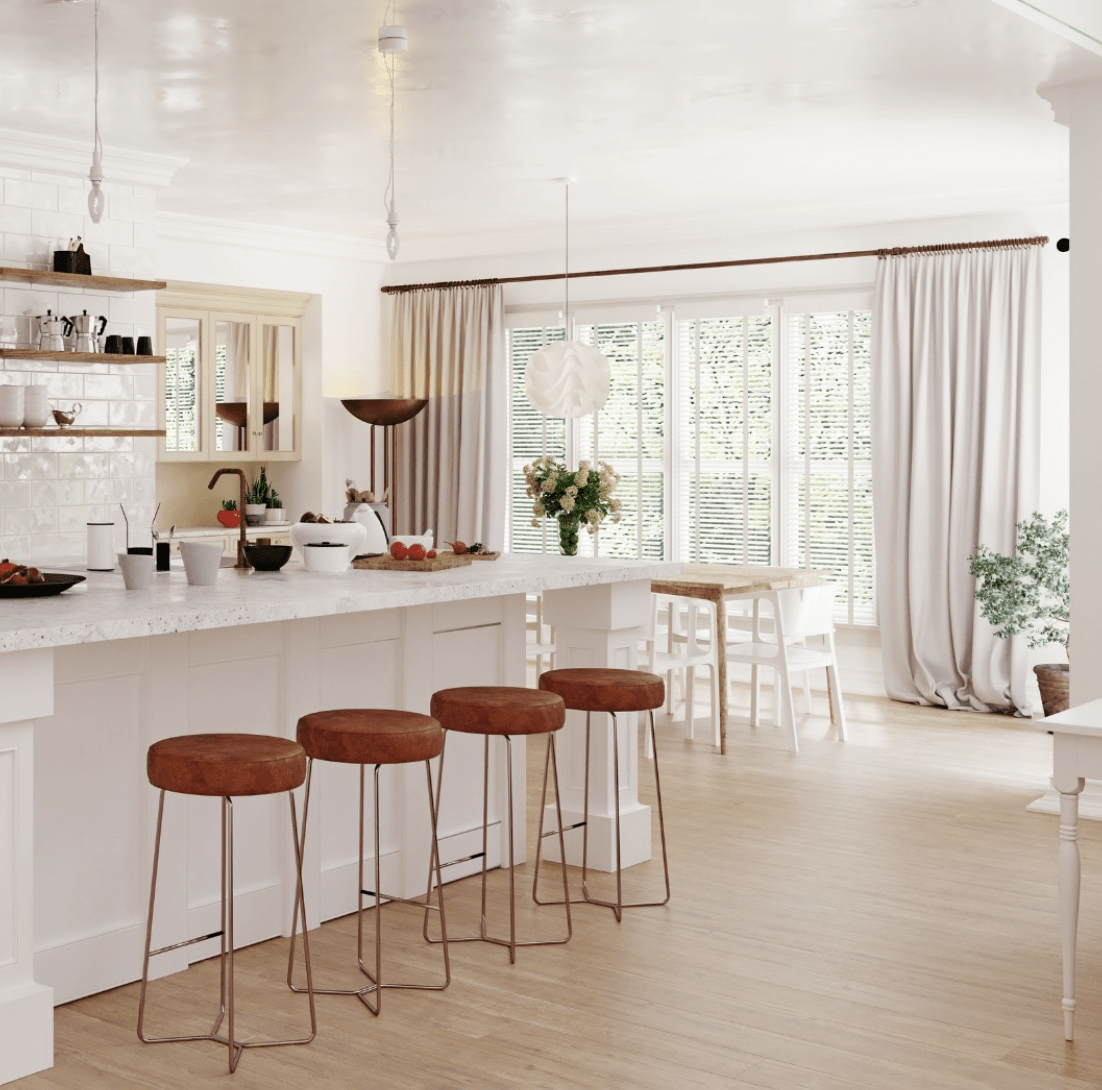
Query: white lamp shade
[567, 379]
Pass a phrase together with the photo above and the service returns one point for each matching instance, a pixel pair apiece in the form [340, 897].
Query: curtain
[955, 440]
[448, 344]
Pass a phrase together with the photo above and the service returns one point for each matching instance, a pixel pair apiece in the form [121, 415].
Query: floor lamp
[385, 413]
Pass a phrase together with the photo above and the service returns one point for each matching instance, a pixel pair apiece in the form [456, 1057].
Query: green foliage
[1029, 593]
[581, 496]
[229, 505]
[259, 490]
[274, 500]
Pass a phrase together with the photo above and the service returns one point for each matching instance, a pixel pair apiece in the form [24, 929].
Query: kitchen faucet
[242, 562]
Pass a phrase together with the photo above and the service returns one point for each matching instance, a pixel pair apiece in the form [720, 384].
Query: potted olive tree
[1029, 594]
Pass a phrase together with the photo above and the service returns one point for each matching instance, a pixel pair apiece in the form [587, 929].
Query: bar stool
[504, 711]
[597, 690]
[374, 736]
[227, 765]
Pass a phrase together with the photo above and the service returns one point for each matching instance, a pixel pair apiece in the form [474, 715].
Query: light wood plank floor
[879, 914]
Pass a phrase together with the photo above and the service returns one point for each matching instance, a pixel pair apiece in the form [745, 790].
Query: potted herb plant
[1029, 594]
[256, 499]
[274, 511]
[229, 516]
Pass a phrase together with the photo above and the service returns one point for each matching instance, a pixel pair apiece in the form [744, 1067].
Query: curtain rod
[895, 251]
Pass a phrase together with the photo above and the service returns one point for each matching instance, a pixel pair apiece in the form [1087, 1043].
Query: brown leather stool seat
[376, 736]
[592, 690]
[225, 766]
[505, 711]
[370, 736]
[498, 709]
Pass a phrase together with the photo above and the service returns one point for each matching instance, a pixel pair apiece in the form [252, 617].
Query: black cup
[127, 348]
[112, 343]
[140, 550]
[64, 261]
[145, 346]
[162, 556]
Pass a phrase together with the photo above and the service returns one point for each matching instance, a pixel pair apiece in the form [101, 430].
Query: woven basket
[1052, 679]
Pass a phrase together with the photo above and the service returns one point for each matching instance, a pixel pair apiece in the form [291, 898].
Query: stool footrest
[462, 859]
[389, 898]
[565, 829]
[186, 942]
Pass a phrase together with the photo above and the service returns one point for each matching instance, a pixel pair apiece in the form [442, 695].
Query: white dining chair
[683, 638]
[802, 640]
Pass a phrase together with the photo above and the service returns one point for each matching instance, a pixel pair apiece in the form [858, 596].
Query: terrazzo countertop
[102, 609]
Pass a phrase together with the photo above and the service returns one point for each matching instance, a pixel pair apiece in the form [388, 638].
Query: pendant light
[97, 199]
[567, 378]
[392, 39]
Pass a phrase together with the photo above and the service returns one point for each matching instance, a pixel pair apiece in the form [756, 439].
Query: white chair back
[805, 611]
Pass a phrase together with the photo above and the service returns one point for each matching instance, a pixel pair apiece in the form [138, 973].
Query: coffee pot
[86, 332]
[51, 331]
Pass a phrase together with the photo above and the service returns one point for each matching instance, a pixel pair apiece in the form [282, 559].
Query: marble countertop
[102, 609]
[222, 531]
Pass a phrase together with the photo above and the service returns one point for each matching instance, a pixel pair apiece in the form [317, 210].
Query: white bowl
[351, 534]
[202, 561]
[326, 556]
[414, 539]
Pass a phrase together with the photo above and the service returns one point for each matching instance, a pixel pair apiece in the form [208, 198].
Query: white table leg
[599, 626]
[1069, 896]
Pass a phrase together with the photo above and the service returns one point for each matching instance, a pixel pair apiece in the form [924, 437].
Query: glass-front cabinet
[231, 386]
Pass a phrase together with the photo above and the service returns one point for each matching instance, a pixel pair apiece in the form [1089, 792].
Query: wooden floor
[880, 913]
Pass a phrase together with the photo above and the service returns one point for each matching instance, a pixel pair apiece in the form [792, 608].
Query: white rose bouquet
[575, 497]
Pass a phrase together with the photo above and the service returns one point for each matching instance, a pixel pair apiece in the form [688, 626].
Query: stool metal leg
[225, 933]
[484, 936]
[376, 985]
[619, 904]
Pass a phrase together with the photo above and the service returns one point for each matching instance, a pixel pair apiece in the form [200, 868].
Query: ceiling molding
[57, 155]
[1079, 21]
[287, 240]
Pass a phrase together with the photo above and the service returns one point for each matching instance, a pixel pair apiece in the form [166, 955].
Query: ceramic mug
[11, 406]
[202, 561]
[137, 569]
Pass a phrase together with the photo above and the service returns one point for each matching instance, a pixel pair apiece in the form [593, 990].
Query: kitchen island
[93, 676]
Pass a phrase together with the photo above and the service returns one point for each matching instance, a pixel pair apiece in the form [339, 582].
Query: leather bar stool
[375, 736]
[226, 765]
[504, 711]
[592, 690]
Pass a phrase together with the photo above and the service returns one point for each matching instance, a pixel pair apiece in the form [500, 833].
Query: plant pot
[1052, 680]
[274, 514]
[230, 519]
[254, 513]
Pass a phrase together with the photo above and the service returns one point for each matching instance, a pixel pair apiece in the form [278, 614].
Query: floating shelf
[81, 433]
[76, 357]
[78, 280]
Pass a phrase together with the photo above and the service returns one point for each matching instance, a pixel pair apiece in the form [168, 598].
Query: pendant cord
[390, 62]
[97, 146]
[566, 271]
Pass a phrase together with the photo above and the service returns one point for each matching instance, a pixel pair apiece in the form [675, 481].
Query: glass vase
[568, 536]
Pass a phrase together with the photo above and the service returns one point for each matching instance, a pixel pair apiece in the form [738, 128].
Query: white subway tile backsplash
[16, 219]
[31, 467]
[133, 465]
[109, 490]
[15, 493]
[95, 414]
[30, 520]
[56, 227]
[133, 414]
[20, 549]
[79, 466]
[109, 386]
[56, 493]
[39, 195]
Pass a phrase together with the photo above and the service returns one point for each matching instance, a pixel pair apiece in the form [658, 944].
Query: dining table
[718, 583]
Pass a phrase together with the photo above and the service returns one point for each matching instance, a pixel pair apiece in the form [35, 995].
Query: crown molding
[57, 155]
[255, 236]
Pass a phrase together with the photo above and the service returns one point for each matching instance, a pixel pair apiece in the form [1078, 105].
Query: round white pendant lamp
[567, 378]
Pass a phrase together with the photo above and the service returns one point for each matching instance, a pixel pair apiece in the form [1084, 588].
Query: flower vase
[568, 536]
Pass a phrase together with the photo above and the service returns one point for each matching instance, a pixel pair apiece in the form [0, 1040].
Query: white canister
[327, 556]
[11, 406]
[36, 407]
[101, 546]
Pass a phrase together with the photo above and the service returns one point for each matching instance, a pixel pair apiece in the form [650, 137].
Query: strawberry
[399, 551]
[416, 551]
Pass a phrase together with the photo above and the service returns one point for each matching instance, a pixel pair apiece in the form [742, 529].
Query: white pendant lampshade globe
[567, 379]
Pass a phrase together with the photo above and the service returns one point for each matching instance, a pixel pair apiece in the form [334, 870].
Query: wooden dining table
[718, 582]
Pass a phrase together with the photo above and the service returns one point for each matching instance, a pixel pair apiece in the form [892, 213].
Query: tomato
[416, 551]
[398, 551]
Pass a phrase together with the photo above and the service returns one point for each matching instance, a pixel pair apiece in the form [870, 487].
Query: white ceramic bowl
[201, 562]
[351, 534]
[326, 556]
[414, 539]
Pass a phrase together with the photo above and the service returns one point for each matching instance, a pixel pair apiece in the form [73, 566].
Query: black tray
[55, 583]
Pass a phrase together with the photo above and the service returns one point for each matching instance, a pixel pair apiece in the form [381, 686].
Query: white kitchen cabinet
[231, 387]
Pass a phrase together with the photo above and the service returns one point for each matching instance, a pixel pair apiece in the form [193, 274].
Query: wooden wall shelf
[76, 357]
[78, 280]
[81, 433]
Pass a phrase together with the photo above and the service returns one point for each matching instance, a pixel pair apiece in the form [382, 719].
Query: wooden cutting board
[385, 562]
[484, 556]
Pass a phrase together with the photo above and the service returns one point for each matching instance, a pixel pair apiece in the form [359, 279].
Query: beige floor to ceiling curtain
[956, 440]
[448, 344]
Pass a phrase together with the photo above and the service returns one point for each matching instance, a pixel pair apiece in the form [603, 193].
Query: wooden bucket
[1052, 679]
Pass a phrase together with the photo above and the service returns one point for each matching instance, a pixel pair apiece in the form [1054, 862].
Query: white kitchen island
[93, 676]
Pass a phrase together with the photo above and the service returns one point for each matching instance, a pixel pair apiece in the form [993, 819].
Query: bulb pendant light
[97, 199]
[567, 378]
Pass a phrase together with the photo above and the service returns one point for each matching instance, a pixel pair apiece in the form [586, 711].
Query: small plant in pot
[229, 516]
[274, 511]
[256, 499]
[1029, 594]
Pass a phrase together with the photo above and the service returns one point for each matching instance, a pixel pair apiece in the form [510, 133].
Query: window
[739, 437]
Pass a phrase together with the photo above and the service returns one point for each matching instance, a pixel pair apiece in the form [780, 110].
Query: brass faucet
[242, 562]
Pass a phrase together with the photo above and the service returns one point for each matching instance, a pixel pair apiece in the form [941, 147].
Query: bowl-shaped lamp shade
[384, 411]
[234, 412]
[567, 379]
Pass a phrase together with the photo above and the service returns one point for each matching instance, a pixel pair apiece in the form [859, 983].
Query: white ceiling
[697, 110]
